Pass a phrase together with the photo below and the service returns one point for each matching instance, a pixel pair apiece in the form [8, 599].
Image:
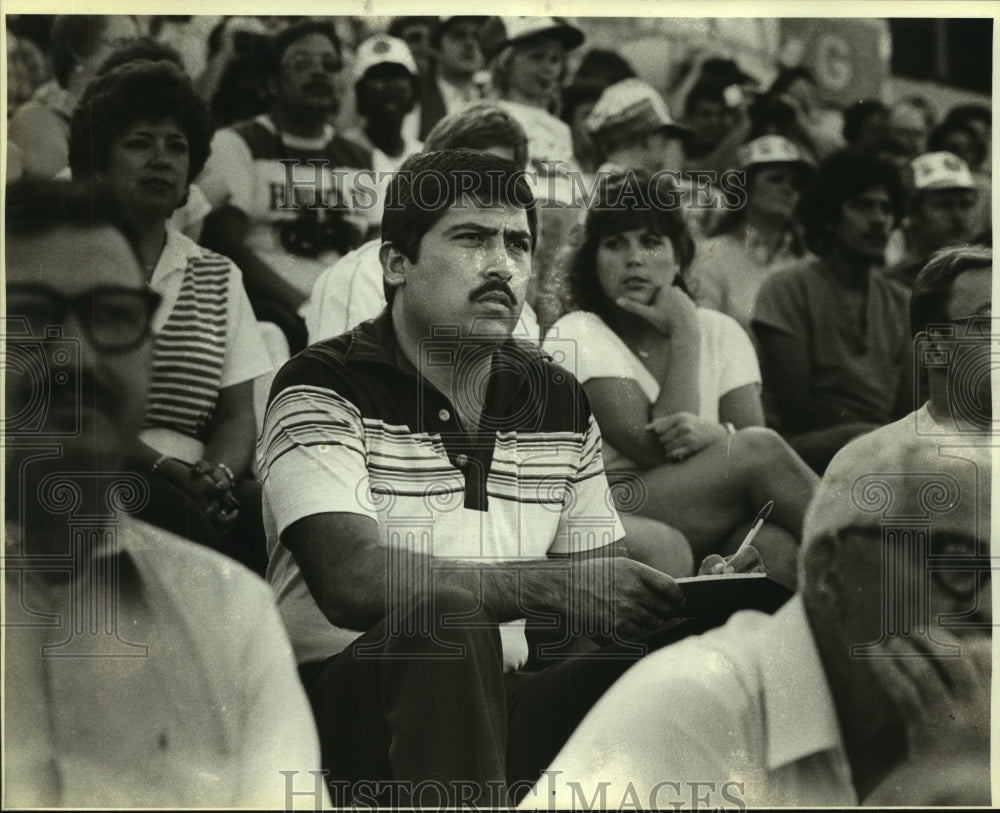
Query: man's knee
[446, 616]
[760, 447]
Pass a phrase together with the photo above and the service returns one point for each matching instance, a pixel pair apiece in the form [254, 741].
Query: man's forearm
[388, 579]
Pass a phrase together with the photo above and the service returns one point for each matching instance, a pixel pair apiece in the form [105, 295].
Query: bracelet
[228, 472]
[159, 462]
[730, 429]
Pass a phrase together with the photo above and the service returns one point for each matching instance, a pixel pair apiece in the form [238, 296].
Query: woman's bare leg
[707, 496]
[657, 545]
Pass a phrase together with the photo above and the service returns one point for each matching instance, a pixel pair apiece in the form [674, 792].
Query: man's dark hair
[142, 48]
[286, 37]
[35, 207]
[971, 112]
[857, 115]
[931, 295]
[69, 41]
[428, 184]
[479, 126]
[938, 139]
[632, 200]
[137, 91]
[842, 176]
[437, 33]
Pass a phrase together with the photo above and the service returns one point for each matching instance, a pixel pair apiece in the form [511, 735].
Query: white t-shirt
[350, 292]
[584, 344]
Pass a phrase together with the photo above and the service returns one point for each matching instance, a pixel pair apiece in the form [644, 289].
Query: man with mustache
[278, 209]
[140, 669]
[832, 333]
[431, 484]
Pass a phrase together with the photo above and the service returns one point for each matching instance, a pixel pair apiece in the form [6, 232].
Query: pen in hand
[758, 523]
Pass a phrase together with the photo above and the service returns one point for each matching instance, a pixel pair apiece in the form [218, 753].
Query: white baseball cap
[630, 108]
[772, 149]
[940, 170]
[499, 32]
[381, 49]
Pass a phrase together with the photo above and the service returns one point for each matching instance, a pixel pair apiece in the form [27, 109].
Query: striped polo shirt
[353, 427]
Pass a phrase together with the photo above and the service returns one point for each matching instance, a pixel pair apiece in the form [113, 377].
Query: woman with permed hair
[142, 130]
[674, 388]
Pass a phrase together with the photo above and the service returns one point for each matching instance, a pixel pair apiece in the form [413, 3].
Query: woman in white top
[142, 129]
[674, 388]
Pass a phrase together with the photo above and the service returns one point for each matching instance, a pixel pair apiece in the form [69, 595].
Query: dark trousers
[421, 700]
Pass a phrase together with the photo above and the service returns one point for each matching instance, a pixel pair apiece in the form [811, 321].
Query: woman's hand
[746, 561]
[213, 491]
[671, 311]
[685, 434]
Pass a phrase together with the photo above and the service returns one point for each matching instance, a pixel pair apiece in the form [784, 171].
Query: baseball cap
[773, 149]
[382, 49]
[630, 108]
[940, 170]
[499, 32]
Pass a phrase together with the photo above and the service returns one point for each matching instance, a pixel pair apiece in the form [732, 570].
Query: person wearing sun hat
[632, 128]
[751, 242]
[527, 58]
[941, 211]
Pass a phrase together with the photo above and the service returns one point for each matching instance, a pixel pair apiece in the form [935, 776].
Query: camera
[970, 355]
[309, 234]
[40, 372]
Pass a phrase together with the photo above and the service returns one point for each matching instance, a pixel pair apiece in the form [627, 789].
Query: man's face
[307, 75]
[970, 308]
[710, 122]
[865, 222]
[945, 216]
[907, 123]
[472, 271]
[386, 92]
[459, 55]
[417, 35]
[63, 375]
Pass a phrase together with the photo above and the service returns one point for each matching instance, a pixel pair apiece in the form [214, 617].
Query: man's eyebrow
[472, 226]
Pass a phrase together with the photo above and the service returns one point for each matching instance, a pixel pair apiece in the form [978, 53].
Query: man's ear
[822, 575]
[395, 265]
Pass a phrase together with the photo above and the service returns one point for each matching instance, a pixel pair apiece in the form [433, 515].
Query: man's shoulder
[348, 152]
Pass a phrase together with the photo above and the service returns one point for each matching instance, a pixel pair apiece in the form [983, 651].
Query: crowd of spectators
[756, 309]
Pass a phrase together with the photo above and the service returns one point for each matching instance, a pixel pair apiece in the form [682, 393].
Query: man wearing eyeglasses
[140, 669]
[280, 212]
[873, 683]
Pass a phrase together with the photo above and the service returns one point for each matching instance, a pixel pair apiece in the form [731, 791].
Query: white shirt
[744, 710]
[584, 344]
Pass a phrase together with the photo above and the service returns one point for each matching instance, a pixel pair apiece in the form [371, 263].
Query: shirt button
[462, 461]
[444, 415]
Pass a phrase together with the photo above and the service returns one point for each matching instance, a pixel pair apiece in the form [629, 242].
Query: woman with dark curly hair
[143, 130]
[674, 387]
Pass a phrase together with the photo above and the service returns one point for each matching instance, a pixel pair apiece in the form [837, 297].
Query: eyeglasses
[954, 562]
[115, 318]
[300, 63]
[958, 568]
